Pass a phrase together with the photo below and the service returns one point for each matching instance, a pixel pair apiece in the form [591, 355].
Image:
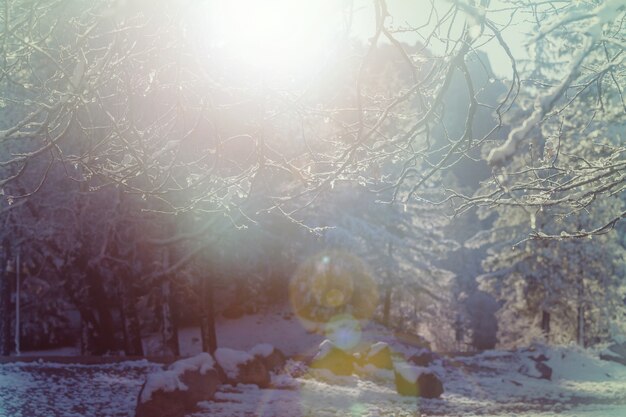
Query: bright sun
[274, 35]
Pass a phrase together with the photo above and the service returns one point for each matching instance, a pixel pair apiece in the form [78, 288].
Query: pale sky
[292, 35]
[415, 13]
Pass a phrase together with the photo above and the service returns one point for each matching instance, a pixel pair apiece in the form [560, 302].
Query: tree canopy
[137, 137]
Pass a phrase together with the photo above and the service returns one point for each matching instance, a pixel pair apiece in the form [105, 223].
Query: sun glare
[274, 35]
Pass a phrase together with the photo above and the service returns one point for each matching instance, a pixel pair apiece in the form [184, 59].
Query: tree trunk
[5, 303]
[387, 302]
[17, 302]
[387, 305]
[97, 328]
[169, 330]
[88, 322]
[132, 326]
[89, 334]
[89, 327]
[580, 328]
[545, 325]
[207, 326]
[580, 316]
[100, 300]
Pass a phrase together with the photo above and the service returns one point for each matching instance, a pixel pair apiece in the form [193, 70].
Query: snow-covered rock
[333, 359]
[262, 349]
[273, 359]
[176, 391]
[416, 381]
[378, 356]
[408, 372]
[230, 360]
[424, 358]
[372, 373]
[254, 372]
[535, 365]
[536, 370]
[242, 367]
[202, 363]
[615, 353]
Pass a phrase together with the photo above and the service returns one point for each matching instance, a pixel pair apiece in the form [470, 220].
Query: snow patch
[230, 359]
[202, 362]
[529, 368]
[289, 335]
[169, 380]
[166, 381]
[262, 349]
[409, 372]
[329, 377]
[576, 364]
[284, 381]
[485, 384]
[376, 373]
[376, 348]
[325, 348]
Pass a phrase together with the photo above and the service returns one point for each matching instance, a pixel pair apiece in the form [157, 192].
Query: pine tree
[402, 245]
[557, 290]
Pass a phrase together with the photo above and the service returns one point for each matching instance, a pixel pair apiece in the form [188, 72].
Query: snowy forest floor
[486, 384]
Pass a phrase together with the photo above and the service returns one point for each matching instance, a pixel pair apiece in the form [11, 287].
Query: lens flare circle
[344, 331]
[331, 284]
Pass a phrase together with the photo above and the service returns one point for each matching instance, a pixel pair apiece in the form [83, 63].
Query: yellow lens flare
[335, 298]
[330, 284]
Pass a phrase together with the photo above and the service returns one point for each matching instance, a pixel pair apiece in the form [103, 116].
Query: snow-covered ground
[276, 328]
[41, 389]
[489, 384]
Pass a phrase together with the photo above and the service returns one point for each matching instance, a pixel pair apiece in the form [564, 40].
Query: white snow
[324, 349]
[327, 376]
[608, 10]
[166, 381]
[604, 13]
[376, 348]
[409, 372]
[201, 362]
[230, 359]
[573, 363]
[169, 380]
[41, 389]
[262, 349]
[374, 372]
[487, 384]
[285, 332]
[284, 381]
